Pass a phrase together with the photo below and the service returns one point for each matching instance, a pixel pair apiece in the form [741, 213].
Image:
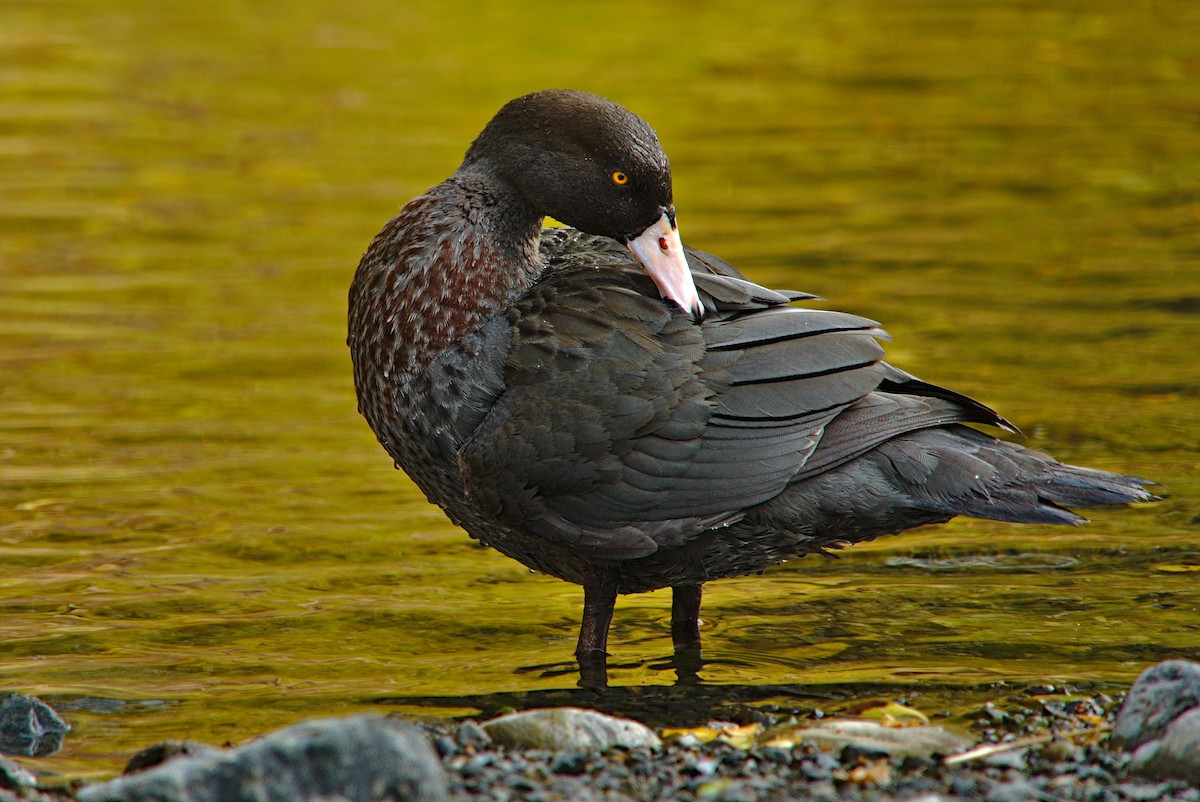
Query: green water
[200, 538]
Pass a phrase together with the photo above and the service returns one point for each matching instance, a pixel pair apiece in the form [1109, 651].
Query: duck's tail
[960, 471]
[934, 474]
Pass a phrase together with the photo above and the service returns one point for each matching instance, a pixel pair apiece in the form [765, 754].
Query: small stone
[561, 728]
[1015, 791]
[993, 714]
[445, 746]
[476, 764]
[570, 762]
[471, 736]
[816, 769]
[855, 752]
[776, 755]
[522, 784]
[913, 764]
[967, 786]
[823, 792]
[1060, 749]
[1011, 759]
[1142, 792]
[1089, 772]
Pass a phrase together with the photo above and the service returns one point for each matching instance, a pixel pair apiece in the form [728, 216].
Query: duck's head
[596, 166]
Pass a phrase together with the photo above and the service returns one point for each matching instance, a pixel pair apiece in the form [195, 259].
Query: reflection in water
[192, 514]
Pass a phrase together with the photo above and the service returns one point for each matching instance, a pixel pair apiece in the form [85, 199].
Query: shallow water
[200, 538]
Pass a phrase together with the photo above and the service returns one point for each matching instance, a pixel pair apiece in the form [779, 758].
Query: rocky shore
[1049, 744]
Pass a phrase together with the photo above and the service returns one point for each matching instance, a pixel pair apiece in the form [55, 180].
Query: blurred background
[199, 537]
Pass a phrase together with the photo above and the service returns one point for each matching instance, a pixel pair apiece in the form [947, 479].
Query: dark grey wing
[903, 403]
[625, 427]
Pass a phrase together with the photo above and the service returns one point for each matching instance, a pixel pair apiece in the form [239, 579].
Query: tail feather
[960, 471]
[1073, 486]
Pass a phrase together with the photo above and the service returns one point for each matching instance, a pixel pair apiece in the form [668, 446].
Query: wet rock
[567, 728]
[871, 738]
[357, 759]
[1160, 722]
[1161, 694]
[1175, 755]
[14, 777]
[29, 726]
[160, 753]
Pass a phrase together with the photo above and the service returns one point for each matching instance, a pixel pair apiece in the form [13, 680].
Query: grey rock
[1161, 694]
[1175, 755]
[29, 726]
[1014, 759]
[1142, 792]
[357, 759]
[869, 736]
[563, 728]
[1015, 791]
[1160, 722]
[471, 736]
[14, 777]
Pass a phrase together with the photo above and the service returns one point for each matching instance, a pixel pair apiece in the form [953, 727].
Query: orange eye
[620, 179]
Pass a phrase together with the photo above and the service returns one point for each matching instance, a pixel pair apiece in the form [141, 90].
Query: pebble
[568, 728]
[1021, 790]
[471, 736]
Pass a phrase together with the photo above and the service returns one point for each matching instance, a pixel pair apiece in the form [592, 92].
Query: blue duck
[613, 408]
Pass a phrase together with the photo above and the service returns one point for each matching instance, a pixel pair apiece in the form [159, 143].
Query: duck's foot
[685, 617]
[599, 597]
[593, 670]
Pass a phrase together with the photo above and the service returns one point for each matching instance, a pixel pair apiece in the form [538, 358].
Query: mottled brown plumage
[538, 389]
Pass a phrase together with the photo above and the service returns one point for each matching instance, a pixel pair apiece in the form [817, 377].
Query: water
[200, 537]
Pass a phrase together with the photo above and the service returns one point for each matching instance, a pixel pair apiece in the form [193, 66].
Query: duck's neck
[450, 260]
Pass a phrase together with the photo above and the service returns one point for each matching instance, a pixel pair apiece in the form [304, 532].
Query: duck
[608, 406]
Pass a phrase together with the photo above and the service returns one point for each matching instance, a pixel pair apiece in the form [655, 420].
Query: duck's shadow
[687, 702]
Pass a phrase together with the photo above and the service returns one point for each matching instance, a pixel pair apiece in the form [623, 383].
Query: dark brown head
[580, 159]
[593, 165]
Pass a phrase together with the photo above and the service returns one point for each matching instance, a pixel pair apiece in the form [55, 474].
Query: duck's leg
[685, 616]
[599, 597]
